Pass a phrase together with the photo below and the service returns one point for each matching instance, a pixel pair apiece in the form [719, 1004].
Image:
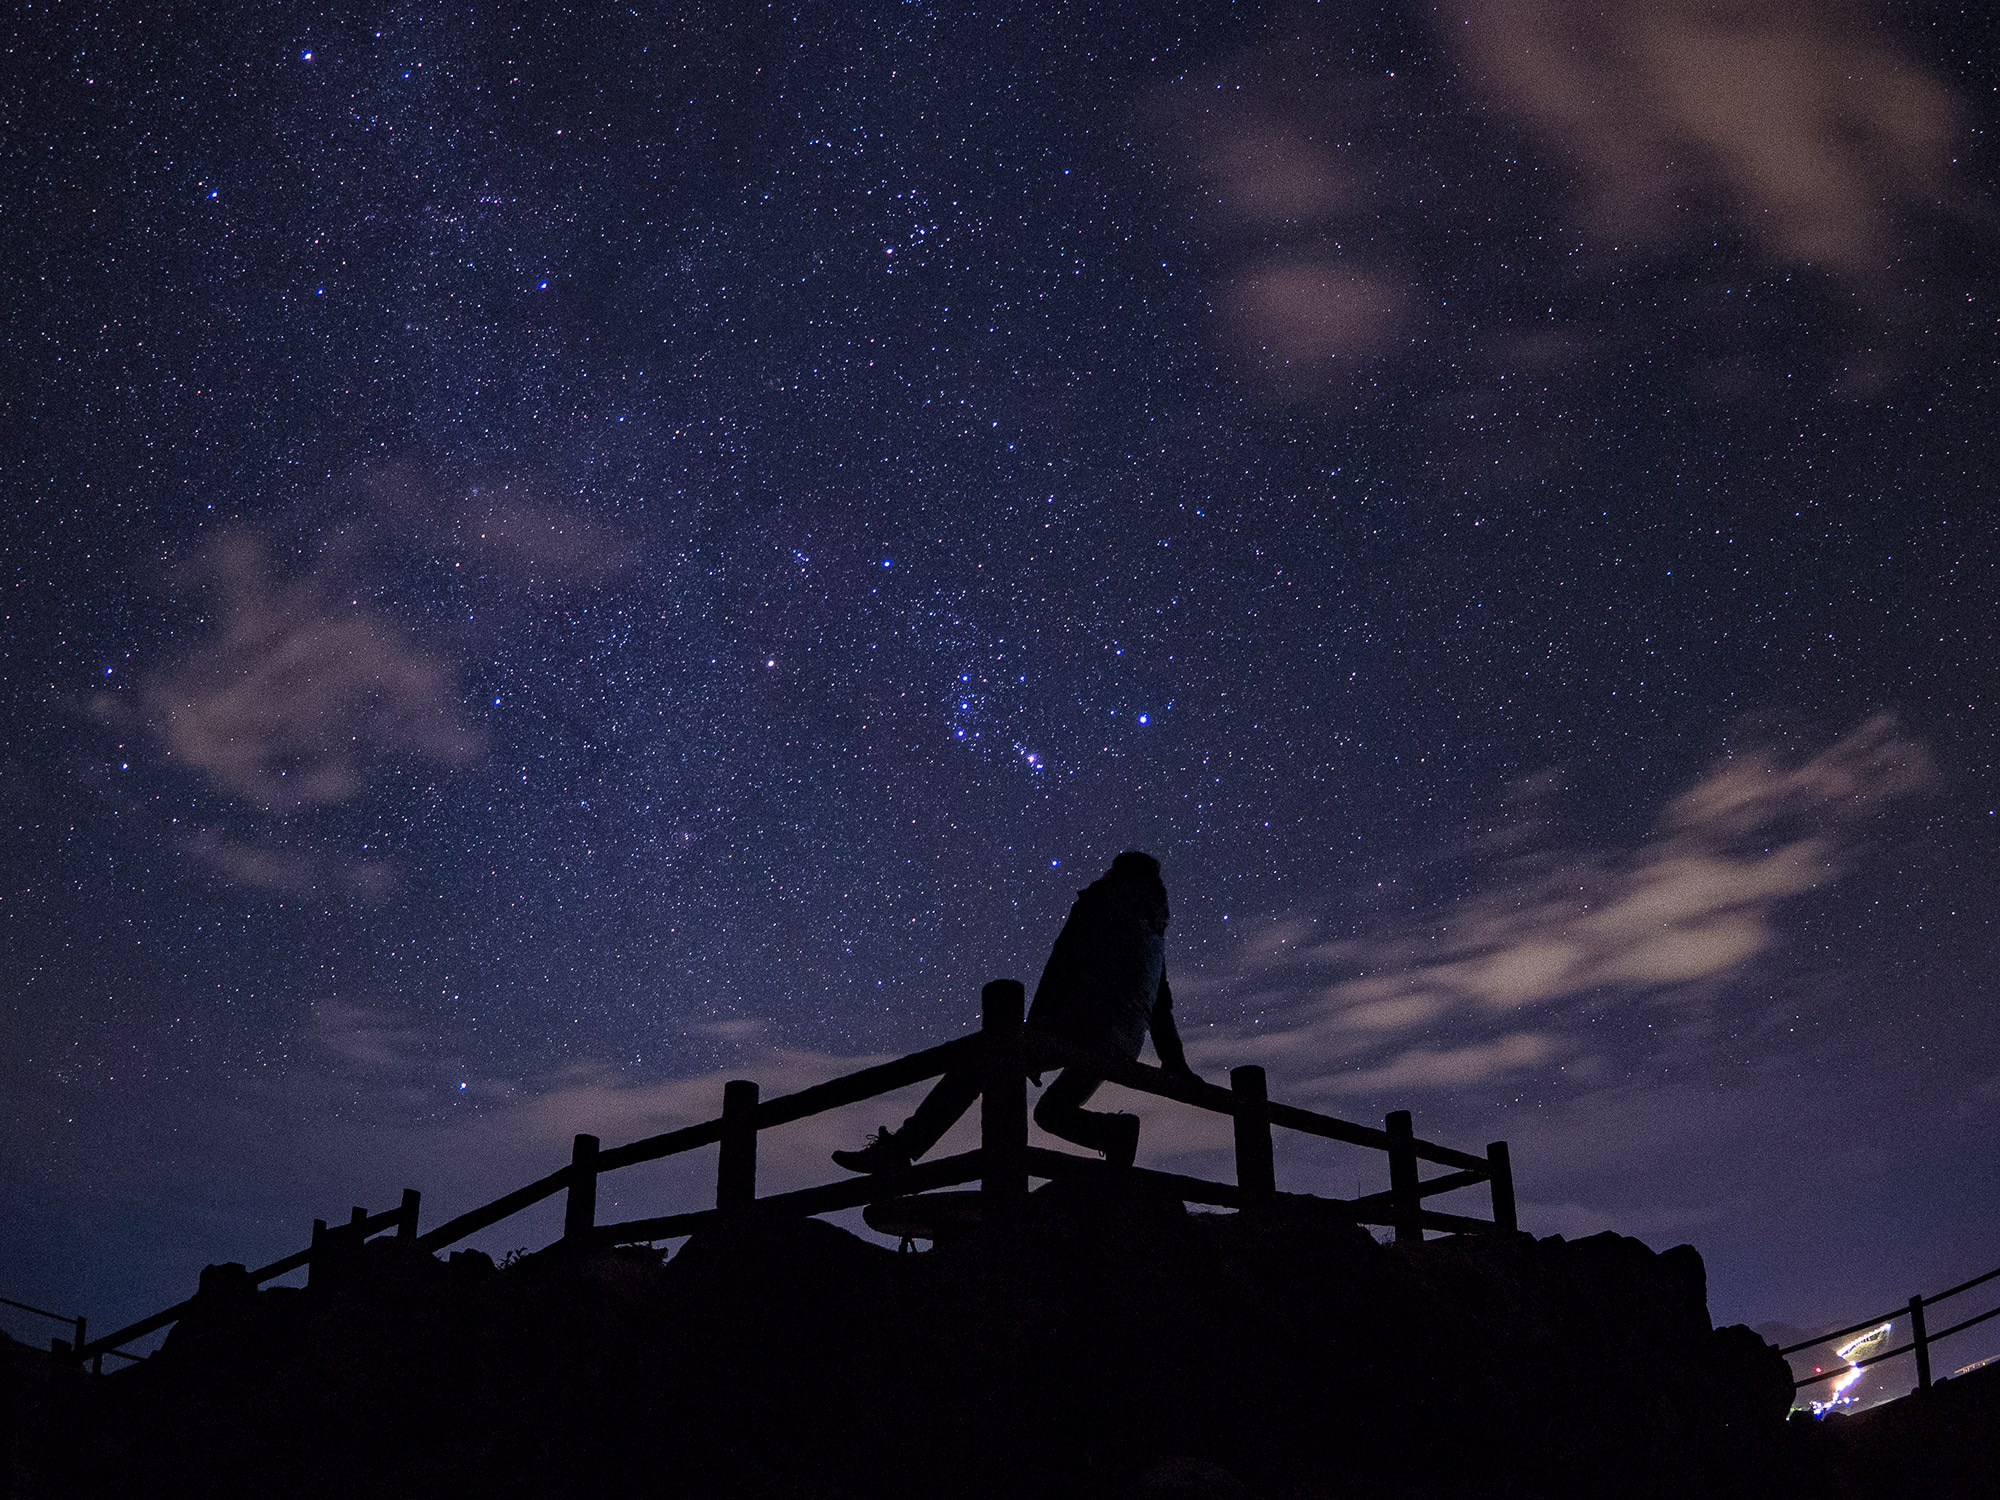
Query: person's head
[1136, 877]
[1138, 867]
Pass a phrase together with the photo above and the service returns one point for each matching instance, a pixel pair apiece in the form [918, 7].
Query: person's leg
[1061, 1113]
[950, 1097]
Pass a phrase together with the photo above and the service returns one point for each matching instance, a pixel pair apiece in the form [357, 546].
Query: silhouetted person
[1105, 988]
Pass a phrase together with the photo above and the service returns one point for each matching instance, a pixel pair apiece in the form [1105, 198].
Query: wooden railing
[1002, 1164]
[1920, 1341]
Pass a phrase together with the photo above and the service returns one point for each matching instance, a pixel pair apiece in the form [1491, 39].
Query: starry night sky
[554, 558]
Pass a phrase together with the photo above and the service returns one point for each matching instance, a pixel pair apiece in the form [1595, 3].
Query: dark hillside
[1944, 1444]
[1140, 1350]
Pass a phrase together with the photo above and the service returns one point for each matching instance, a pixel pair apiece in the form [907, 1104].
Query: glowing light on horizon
[1847, 1352]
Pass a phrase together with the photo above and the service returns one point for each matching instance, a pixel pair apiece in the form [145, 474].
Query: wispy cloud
[1692, 904]
[1803, 118]
[300, 691]
[520, 540]
[299, 688]
[542, 547]
[372, 1040]
[295, 871]
[1344, 268]
[1303, 319]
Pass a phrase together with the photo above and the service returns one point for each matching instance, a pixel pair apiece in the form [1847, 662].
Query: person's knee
[1052, 1110]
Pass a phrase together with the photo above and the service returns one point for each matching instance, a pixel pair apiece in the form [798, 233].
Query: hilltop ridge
[1130, 1349]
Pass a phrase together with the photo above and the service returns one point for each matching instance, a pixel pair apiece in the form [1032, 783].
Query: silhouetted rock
[1131, 1350]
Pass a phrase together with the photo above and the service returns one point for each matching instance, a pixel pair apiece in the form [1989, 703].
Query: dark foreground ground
[1138, 1351]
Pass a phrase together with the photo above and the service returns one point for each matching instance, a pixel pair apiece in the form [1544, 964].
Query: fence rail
[1920, 1339]
[1003, 1164]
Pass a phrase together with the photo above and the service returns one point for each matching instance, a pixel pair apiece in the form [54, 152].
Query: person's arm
[1167, 1036]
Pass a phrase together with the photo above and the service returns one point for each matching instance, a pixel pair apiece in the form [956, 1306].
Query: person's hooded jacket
[1106, 975]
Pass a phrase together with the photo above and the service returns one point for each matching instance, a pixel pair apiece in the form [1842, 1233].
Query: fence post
[1918, 1338]
[580, 1206]
[1407, 1207]
[355, 1230]
[406, 1220]
[1003, 1105]
[1500, 1177]
[313, 1269]
[1255, 1174]
[736, 1171]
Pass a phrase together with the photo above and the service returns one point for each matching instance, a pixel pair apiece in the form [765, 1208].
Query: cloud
[367, 1039]
[522, 541]
[1693, 903]
[291, 870]
[542, 547]
[1273, 175]
[299, 689]
[1272, 172]
[1349, 270]
[1300, 317]
[1801, 117]
[1434, 1068]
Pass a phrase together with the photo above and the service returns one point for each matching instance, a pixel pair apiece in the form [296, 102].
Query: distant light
[461, 1085]
[1053, 863]
[886, 561]
[107, 671]
[319, 291]
[772, 663]
[496, 702]
[306, 56]
[1143, 719]
[543, 287]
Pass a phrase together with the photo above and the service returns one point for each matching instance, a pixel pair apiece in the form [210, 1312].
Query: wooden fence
[1920, 1341]
[1002, 1164]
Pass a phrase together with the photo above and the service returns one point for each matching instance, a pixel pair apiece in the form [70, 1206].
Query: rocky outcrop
[1122, 1348]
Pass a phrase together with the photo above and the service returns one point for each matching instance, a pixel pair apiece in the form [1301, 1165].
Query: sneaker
[1122, 1140]
[882, 1154]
